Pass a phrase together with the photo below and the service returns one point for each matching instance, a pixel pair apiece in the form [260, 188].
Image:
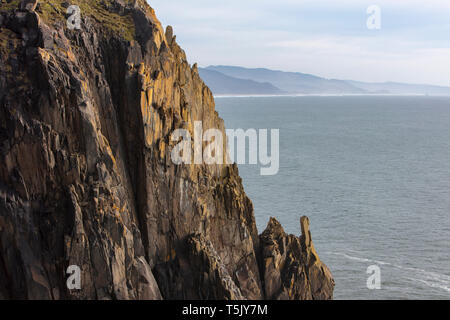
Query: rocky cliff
[86, 178]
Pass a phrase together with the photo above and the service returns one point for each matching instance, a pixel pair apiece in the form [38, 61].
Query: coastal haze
[326, 38]
[263, 81]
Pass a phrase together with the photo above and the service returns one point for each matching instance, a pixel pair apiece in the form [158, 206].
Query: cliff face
[86, 176]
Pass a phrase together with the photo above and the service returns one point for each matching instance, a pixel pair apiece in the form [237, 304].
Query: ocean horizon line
[329, 95]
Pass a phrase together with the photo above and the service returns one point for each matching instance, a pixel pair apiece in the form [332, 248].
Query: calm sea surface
[373, 175]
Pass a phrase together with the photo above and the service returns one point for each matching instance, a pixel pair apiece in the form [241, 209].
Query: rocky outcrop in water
[86, 178]
[291, 267]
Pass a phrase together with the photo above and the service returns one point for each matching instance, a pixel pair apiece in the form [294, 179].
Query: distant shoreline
[327, 95]
[241, 82]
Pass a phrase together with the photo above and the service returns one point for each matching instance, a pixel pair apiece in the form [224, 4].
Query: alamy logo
[374, 20]
[214, 154]
[74, 19]
[74, 280]
[374, 280]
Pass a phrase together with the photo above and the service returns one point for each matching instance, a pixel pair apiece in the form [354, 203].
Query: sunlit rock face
[86, 177]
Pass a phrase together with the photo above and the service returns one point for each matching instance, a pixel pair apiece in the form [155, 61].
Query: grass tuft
[52, 11]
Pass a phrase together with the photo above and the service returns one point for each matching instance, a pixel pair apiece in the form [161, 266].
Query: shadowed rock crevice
[86, 174]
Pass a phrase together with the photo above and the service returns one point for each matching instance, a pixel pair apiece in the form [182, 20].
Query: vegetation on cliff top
[52, 11]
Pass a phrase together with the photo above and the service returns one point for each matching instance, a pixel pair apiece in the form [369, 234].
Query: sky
[327, 38]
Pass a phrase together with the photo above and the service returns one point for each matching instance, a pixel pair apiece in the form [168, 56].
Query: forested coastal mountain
[270, 81]
[220, 83]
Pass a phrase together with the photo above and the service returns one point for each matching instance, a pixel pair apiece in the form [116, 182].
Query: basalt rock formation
[292, 268]
[86, 177]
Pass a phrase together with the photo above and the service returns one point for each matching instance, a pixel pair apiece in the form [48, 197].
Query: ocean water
[373, 175]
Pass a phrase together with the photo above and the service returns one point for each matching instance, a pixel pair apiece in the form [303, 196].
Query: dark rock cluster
[292, 269]
[86, 177]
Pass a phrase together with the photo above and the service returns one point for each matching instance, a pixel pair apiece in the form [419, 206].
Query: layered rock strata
[86, 177]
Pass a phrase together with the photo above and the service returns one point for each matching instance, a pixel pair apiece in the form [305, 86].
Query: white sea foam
[428, 278]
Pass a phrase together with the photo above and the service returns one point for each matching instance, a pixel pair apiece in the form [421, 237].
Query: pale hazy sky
[328, 38]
